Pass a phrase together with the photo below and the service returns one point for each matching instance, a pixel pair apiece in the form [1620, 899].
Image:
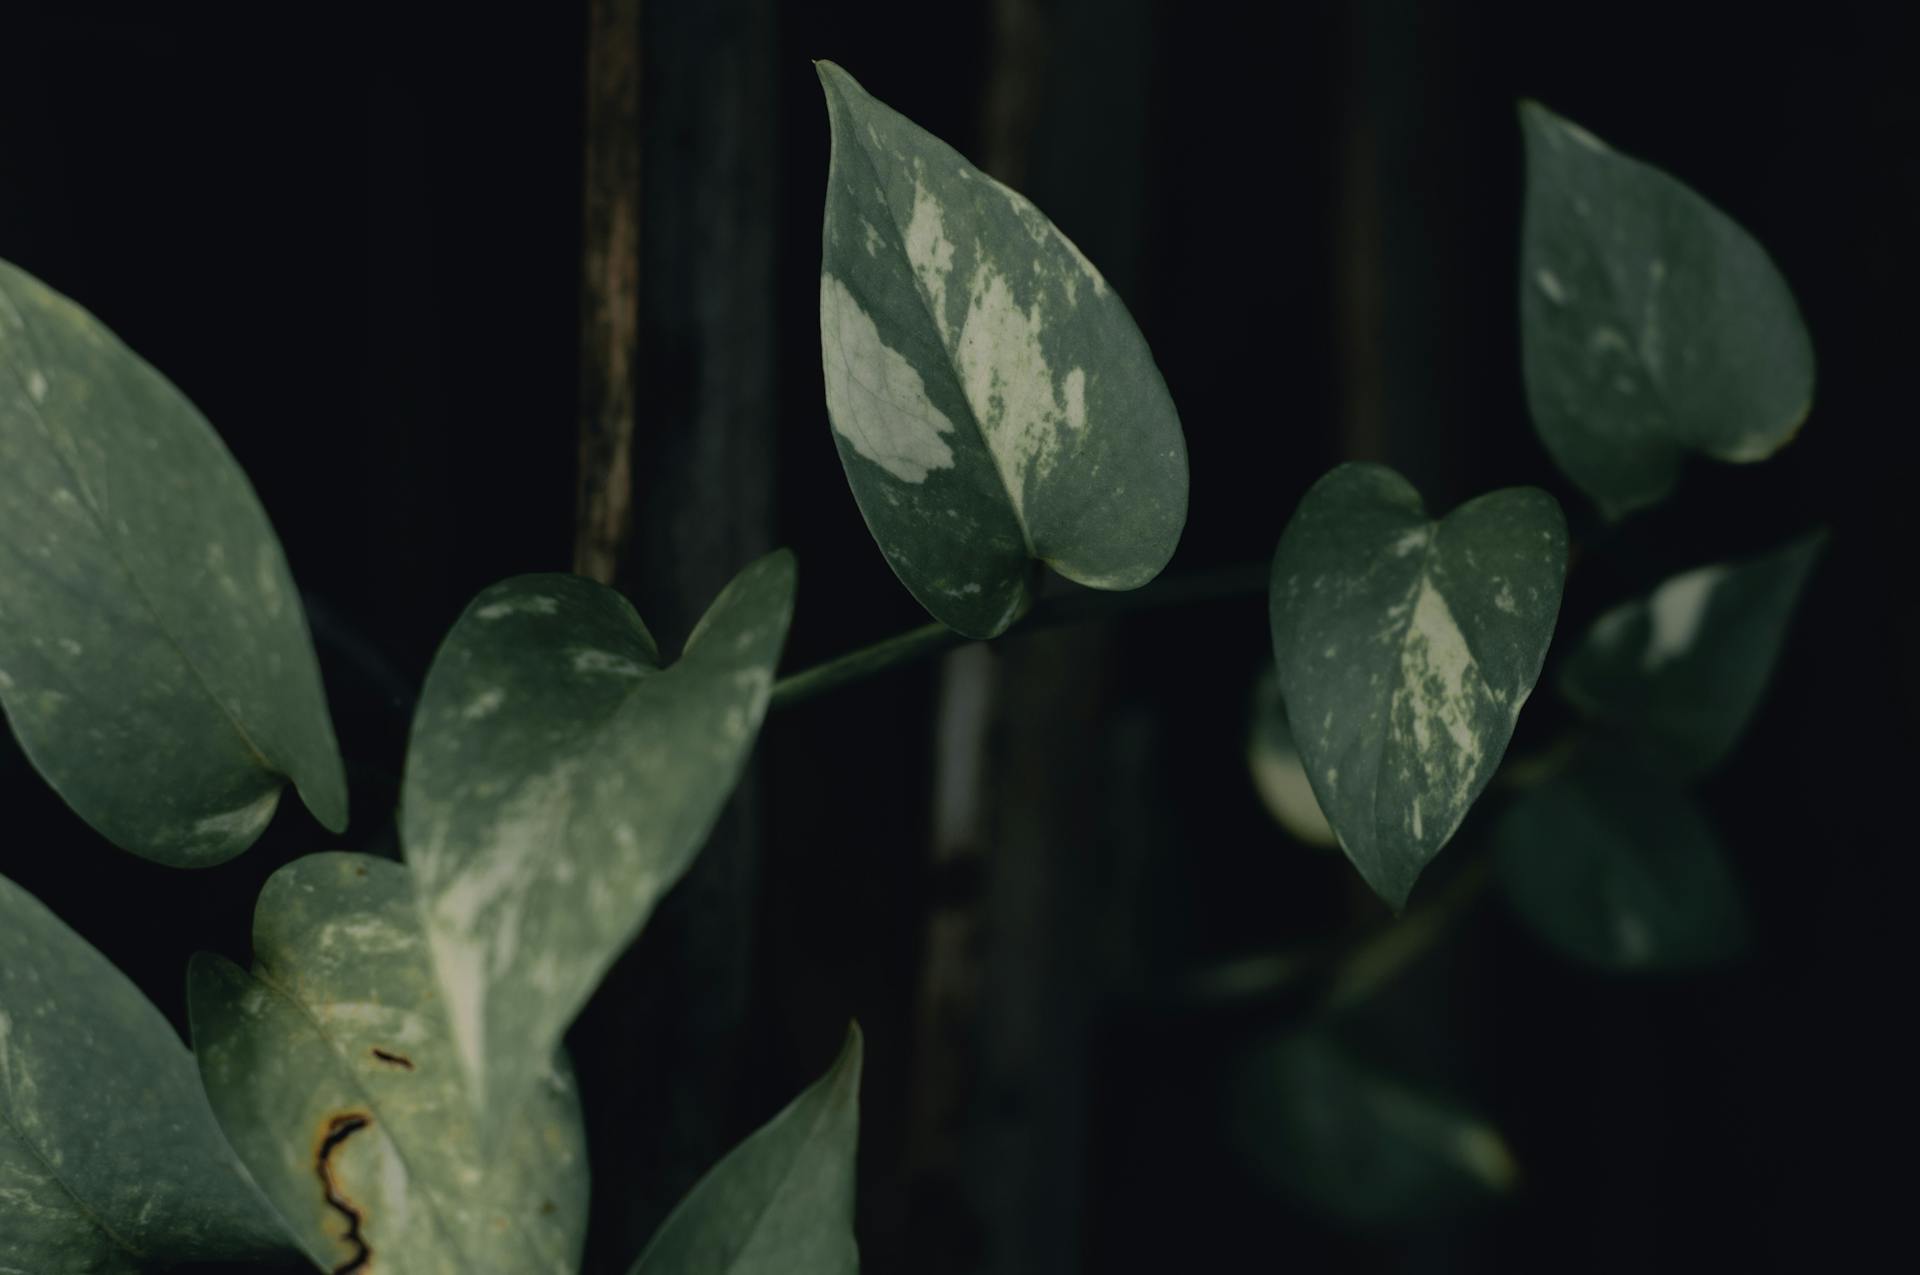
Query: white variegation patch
[1675, 612]
[876, 399]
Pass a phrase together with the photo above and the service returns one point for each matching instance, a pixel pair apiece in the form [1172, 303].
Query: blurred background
[387, 249]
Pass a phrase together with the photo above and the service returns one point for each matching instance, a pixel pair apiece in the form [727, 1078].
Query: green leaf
[1405, 649]
[1681, 672]
[559, 782]
[109, 1158]
[1279, 774]
[781, 1203]
[1651, 325]
[333, 1070]
[1616, 867]
[1363, 1147]
[154, 658]
[992, 400]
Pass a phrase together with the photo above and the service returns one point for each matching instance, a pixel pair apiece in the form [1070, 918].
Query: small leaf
[154, 659]
[109, 1158]
[1405, 649]
[991, 398]
[1279, 775]
[780, 1203]
[1651, 325]
[1681, 672]
[1358, 1145]
[1616, 867]
[559, 782]
[333, 1070]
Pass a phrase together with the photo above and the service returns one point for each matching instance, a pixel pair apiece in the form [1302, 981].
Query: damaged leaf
[780, 1203]
[109, 1158]
[993, 402]
[332, 1068]
[559, 782]
[154, 657]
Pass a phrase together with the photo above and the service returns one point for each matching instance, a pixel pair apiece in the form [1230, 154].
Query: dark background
[353, 235]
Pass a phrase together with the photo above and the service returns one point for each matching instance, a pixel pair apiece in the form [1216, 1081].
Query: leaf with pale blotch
[1679, 673]
[559, 782]
[1651, 325]
[991, 398]
[1615, 866]
[1279, 774]
[1405, 648]
[109, 1158]
[1363, 1147]
[154, 658]
[333, 1069]
[780, 1203]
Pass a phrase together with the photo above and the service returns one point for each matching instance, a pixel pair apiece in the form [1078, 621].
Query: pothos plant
[386, 1088]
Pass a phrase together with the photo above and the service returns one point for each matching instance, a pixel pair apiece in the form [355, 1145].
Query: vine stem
[1080, 607]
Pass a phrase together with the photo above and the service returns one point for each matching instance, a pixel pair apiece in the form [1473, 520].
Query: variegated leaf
[1615, 866]
[1679, 673]
[154, 658]
[780, 1203]
[333, 1069]
[559, 782]
[1405, 648]
[1651, 325]
[109, 1158]
[991, 398]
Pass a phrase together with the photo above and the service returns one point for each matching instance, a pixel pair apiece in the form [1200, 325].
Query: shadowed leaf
[1651, 325]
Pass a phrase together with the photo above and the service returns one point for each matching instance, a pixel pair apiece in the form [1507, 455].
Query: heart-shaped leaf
[1615, 866]
[333, 1070]
[109, 1158]
[992, 400]
[1651, 325]
[1405, 648]
[559, 782]
[780, 1203]
[1680, 673]
[154, 658]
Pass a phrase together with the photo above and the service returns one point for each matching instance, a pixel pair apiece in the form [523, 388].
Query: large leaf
[154, 658]
[333, 1070]
[1651, 325]
[780, 1203]
[1681, 672]
[559, 782]
[992, 400]
[1405, 648]
[1359, 1145]
[109, 1158]
[1618, 868]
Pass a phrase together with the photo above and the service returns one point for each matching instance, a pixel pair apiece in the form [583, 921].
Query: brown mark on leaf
[394, 1060]
[332, 1135]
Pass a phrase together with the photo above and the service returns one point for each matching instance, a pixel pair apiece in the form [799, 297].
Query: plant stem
[1080, 607]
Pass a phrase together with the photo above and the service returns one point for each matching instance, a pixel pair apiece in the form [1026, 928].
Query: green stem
[1080, 607]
